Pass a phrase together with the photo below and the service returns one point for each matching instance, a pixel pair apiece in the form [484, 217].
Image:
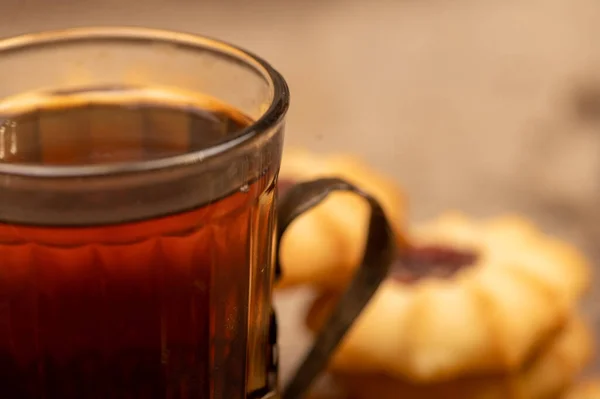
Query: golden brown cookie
[546, 376]
[327, 242]
[498, 291]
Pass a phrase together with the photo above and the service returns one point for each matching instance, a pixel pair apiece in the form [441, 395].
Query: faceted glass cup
[137, 259]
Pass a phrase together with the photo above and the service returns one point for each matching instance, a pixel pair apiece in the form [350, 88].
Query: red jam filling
[430, 261]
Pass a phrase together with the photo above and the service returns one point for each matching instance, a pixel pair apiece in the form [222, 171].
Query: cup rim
[272, 116]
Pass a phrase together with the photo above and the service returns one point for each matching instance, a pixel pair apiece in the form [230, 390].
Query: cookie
[546, 376]
[329, 239]
[470, 297]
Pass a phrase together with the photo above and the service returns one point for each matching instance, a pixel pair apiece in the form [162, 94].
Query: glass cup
[131, 273]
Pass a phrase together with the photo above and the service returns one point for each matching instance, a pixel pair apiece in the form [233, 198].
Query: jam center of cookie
[431, 261]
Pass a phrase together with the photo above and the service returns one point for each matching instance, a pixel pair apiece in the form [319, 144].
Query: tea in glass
[152, 307]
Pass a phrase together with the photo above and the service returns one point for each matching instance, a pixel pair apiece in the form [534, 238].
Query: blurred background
[487, 106]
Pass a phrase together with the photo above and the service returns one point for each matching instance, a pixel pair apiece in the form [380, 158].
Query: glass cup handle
[380, 253]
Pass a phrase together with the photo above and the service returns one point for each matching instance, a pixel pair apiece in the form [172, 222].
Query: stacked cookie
[472, 309]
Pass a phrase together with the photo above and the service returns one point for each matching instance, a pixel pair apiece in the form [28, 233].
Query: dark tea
[149, 308]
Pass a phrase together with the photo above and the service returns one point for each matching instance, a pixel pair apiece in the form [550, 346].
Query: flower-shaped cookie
[473, 297]
[329, 239]
[547, 375]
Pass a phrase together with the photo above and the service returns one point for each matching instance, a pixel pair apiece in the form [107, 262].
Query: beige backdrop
[468, 103]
